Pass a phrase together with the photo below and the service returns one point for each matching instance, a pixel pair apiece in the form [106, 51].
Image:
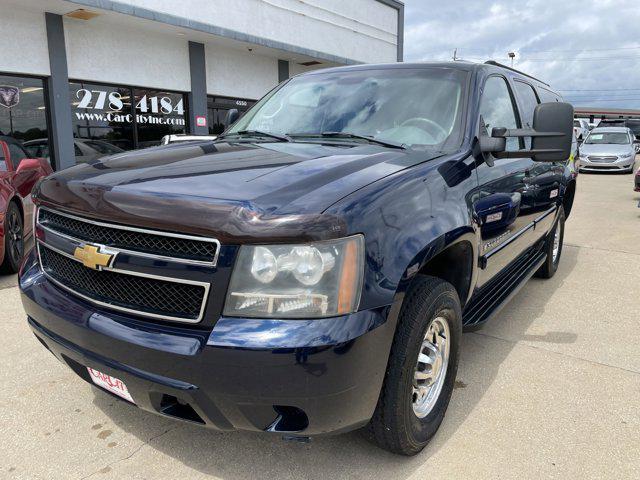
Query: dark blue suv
[310, 271]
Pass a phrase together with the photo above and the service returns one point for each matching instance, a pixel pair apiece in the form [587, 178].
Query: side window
[497, 110]
[16, 154]
[3, 161]
[547, 96]
[528, 103]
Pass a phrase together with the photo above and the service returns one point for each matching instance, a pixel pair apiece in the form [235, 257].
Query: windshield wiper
[370, 139]
[259, 133]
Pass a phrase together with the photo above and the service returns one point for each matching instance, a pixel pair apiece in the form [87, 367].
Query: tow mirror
[232, 116]
[550, 136]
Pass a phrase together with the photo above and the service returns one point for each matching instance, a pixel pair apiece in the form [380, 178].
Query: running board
[498, 292]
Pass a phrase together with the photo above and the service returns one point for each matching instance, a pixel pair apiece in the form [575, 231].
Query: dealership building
[80, 79]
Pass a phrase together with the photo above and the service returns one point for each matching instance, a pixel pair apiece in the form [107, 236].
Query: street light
[511, 55]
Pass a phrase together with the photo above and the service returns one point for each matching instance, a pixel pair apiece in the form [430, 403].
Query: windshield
[405, 106]
[616, 138]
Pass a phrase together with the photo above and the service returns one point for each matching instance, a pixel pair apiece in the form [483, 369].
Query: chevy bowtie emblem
[91, 257]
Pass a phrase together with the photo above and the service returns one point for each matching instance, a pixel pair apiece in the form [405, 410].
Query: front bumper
[620, 164]
[308, 377]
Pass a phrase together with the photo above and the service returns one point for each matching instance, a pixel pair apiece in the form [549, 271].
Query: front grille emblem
[92, 258]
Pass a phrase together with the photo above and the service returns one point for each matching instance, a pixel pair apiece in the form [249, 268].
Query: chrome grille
[602, 159]
[147, 295]
[145, 242]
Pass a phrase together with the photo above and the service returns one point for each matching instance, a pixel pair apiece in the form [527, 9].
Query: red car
[18, 174]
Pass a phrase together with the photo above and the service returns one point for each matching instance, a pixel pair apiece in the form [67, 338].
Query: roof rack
[497, 64]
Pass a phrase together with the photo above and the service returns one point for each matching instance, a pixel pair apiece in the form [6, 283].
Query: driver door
[504, 206]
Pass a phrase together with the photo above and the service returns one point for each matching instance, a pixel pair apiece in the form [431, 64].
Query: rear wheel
[553, 246]
[422, 368]
[13, 240]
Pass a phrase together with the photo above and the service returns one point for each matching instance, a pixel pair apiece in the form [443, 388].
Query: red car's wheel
[13, 240]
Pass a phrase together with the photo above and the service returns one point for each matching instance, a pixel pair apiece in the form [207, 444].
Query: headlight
[626, 155]
[314, 280]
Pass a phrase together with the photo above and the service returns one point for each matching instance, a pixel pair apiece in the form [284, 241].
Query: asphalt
[550, 388]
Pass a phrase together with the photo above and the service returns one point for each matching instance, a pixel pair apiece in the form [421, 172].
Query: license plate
[112, 384]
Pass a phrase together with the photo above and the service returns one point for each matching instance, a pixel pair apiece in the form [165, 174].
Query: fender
[407, 219]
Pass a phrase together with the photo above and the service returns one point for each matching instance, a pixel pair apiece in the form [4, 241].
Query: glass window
[100, 112]
[547, 96]
[3, 162]
[109, 119]
[528, 103]
[158, 113]
[16, 154]
[23, 109]
[419, 106]
[497, 110]
[217, 108]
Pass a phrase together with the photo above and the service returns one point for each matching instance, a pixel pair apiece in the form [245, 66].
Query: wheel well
[567, 201]
[454, 265]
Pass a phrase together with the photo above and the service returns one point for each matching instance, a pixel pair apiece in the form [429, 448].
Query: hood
[237, 192]
[606, 149]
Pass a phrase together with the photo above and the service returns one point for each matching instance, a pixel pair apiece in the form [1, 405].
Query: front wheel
[553, 246]
[13, 240]
[422, 368]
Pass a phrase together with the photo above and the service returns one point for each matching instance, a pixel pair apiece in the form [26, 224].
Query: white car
[581, 128]
[183, 137]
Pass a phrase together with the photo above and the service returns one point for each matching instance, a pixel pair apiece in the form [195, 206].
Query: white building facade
[79, 77]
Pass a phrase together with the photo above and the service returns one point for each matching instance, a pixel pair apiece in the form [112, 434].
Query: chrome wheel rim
[556, 242]
[14, 233]
[431, 367]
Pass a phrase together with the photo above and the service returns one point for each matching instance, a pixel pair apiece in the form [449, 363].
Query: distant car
[18, 174]
[183, 137]
[608, 148]
[86, 149]
[580, 128]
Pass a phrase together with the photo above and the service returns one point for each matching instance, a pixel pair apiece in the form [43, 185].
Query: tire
[550, 266]
[13, 240]
[430, 303]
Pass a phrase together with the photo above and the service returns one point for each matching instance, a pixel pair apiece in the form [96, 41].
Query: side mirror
[232, 115]
[28, 164]
[551, 135]
[554, 124]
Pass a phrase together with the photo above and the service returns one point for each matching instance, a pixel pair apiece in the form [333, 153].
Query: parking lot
[550, 388]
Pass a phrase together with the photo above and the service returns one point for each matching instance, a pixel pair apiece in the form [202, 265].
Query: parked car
[86, 150]
[18, 174]
[182, 137]
[309, 272]
[637, 182]
[581, 128]
[608, 148]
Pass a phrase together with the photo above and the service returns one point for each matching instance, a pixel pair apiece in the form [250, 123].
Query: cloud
[590, 50]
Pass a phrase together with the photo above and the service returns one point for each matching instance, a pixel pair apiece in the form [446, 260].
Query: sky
[589, 50]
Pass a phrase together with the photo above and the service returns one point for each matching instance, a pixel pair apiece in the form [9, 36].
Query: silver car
[607, 148]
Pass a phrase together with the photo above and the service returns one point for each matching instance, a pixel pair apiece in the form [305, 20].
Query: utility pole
[455, 57]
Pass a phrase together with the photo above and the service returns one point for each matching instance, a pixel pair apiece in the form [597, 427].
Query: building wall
[107, 52]
[23, 37]
[237, 73]
[361, 30]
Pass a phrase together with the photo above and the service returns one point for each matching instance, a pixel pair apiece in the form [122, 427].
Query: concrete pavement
[549, 389]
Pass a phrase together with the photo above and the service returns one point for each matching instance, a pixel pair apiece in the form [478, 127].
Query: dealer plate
[112, 384]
